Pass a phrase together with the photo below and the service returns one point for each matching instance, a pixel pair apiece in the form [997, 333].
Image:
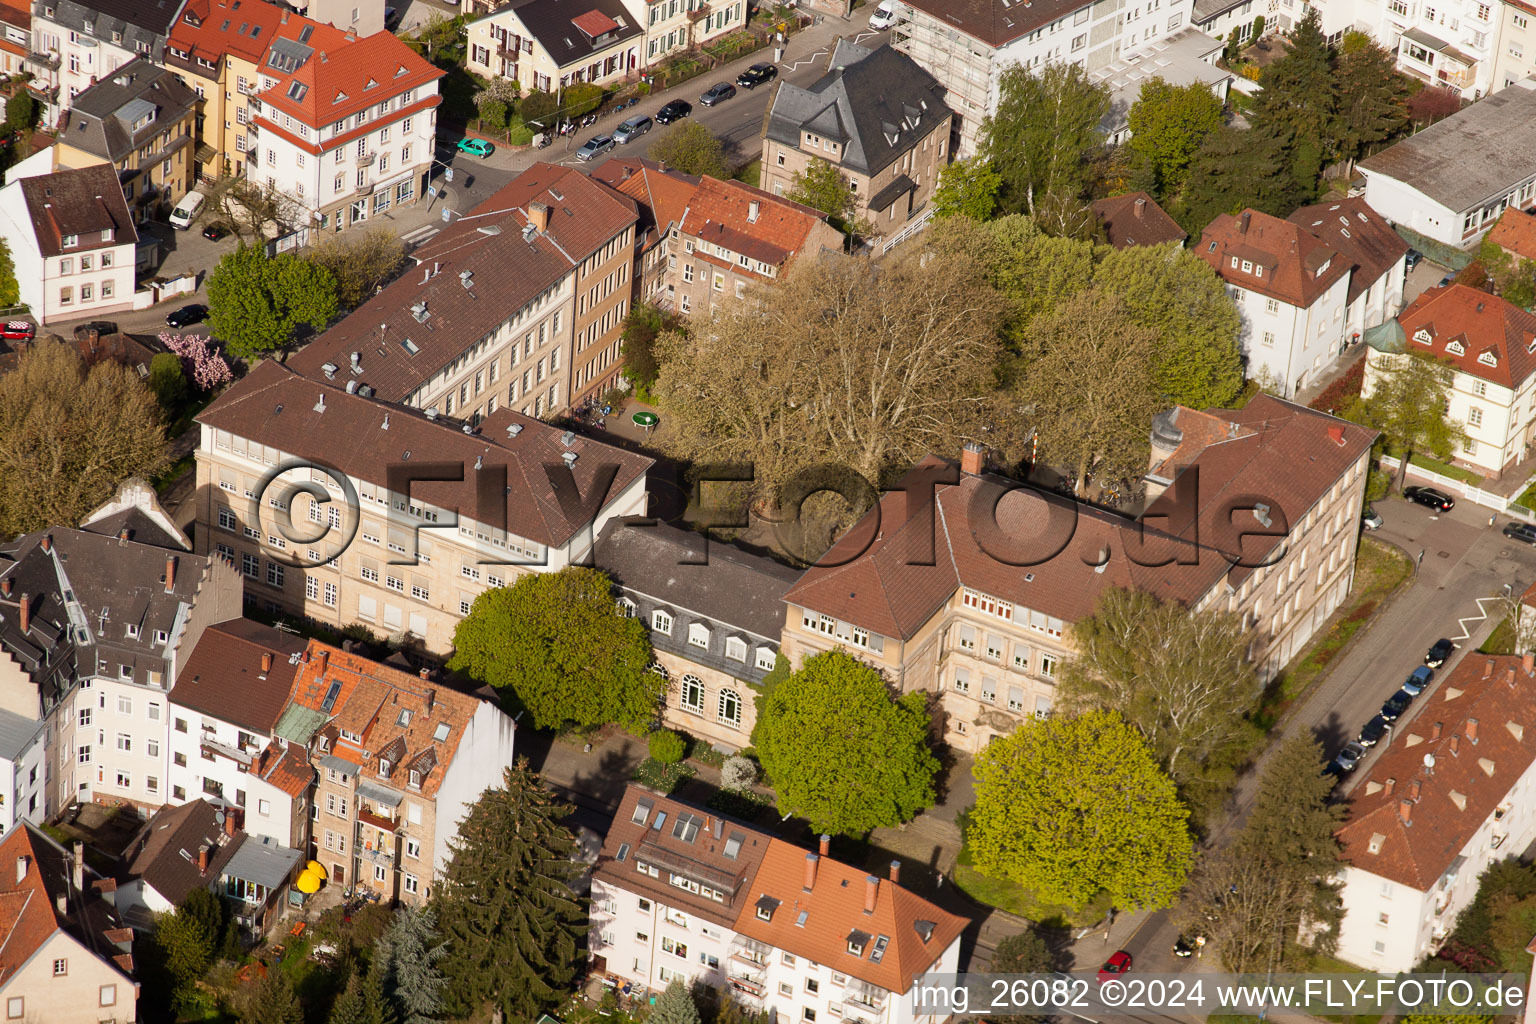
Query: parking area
[1422, 278]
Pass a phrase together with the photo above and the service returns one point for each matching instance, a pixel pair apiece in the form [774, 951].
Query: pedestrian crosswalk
[420, 235]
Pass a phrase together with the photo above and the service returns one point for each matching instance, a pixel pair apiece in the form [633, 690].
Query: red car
[1119, 963]
[18, 330]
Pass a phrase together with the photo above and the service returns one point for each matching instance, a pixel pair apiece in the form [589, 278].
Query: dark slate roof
[558, 26]
[164, 853]
[138, 21]
[140, 527]
[877, 103]
[733, 592]
[101, 119]
[223, 676]
[82, 202]
[996, 22]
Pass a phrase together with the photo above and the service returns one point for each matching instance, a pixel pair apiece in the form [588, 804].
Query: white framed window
[766, 658]
[730, 707]
[661, 622]
[692, 695]
[698, 635]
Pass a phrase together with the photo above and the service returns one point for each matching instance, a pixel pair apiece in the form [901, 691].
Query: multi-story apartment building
[217, 51]
[547, 44]
[1515, 42]
[400, 760]
[1491, 346]
[967, 47]
[662, 198]
[510, 306]
[1449, 797]
[15, 37]
[1453, 45]
[1376, 254]
[878, 117]
[65, 956]
[223, 740]
[1425, 183]
[23, 770]
[790, 932]
[140, 121]
[715, 613]
[72, 238]
[79, 42]
[363, 17]
[1291, 290]
[423, 544]
[986, 625]
[672, 25]
[346, 131]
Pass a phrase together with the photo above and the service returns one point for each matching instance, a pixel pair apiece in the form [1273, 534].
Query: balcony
[368, 853]
[48, 60]
[366, 816]
[748, 987]
[367, 159]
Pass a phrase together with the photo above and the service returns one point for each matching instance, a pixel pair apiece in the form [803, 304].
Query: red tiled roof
[1478, 729]
[1357, 233]
[1285, 454]
[594, 23]
[1136, 219]
[345, 75]
[661, 195]
[28, 913]
[1293, 261]
[286, 767]
[212, 29]
[720, 212]
[834, 910]
[1516, 232]
[1481, 334]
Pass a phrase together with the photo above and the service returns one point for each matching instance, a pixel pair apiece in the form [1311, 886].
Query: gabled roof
[1285, 262]
[214, 29]
[1357, 233]
[17, 734]
[997, 22]
[223, 676]
[285, 766]
[748, 221]
[324, 75]
[1136, 219]
[661, 195]
[29, 913]
[139, 22]
[468, 280]
[128, 110]
[82, 202]
[1515, 231]
[877, 104]
[1444, 773]
[165, 853]
[1481, 334]
[363, 437]
[573, 30]
[1289, 454]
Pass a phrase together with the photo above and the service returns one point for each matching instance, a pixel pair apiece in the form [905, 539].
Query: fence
[1476, 495]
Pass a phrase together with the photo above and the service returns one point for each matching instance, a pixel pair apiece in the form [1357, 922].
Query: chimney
[325, 657]
[77, 866]
[826, 845]
[895, 872]
[753, 208]
[122, 536]
[61, 903]
[266, 663]
[21, 869]
[871, 890]
[973, 459]
[1415, 787]
[1455, 745]
[1434, 731]
[424, 672]
[1405, 811]
[170, 573]
[1528, 662]
[1389, 786]
[538, 216]
[202, 859]
[1471, 730]
[48, 542]
[1243, 222]
[230, 828]
[1141, 208]
[810, 871]
[26, 612]
[5, 587]
[1487, 668]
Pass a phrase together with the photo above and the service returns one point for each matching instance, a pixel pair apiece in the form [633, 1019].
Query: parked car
[756, 75]
[1395, 705]
[187, 209]
[196, 313]
[1413, 258]
[1521, 532]
[631, 130]
[1349, 758]
[391, 18]
[1429, 498]
[1185, 946]
[595, 147]
[718, 93]
[1417, 680]
[100, 328]
[1447, 279]
[1119, 963]
[674, 111]
[18, 330]
[1438, 653]
[883, 17]
[1371, 519]
[476, 147]
[1374, 730]
[215, 232]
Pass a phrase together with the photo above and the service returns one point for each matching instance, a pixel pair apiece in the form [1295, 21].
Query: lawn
[1014, 898]
[1379, 570]
[752, 173]
[1527, 497]
[1434, 465]
[1501, 640]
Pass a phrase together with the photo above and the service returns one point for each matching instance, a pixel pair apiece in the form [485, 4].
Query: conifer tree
[273, 1001]
[407, 958]
[675, 1006]
[505, 908]
[363, 1000]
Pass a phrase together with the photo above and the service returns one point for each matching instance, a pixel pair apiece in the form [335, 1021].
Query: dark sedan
[1374, 730]
[1429, 498]
[718, 93]
[186, 315]
[674, 111]
[1395, 705]
[1439, 652]
[214, 232]
[1521, 531]
[756, 75]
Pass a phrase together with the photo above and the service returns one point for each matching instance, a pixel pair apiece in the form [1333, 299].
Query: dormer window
[1488, 359]
[1247, 267]
[626, 608]
[1423, 337]
[1324, 268]
[1456, 348]
[415, 780]
[131, 632]
[698, 635]
[383, 768]
[1234, 262]
[69, 241]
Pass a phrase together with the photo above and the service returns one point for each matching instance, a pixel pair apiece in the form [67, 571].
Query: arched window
[730, 708]
[693, 695]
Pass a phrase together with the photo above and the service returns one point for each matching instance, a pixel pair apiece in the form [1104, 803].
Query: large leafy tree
[1039, 139]
[1168, 123]
[1087, 373]
[1300, 97]
[69, 435]
[558, 645]
[967, 188]
[821, 186]
[1072, 806]
[407, 959]
[1238, 168]
[841, 751]
[1180, 677]
[10, 290]
[1034, 272]
[1406, 401]
[691, 148]
[505, 906]
[1275, 883]
[256, 302]
[1173, 292]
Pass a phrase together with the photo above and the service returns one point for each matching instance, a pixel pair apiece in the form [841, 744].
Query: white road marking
[808, 60]
[421, 234]
[1466, 633]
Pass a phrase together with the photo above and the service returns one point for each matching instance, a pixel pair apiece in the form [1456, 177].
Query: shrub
[667, 746]
[737, 774]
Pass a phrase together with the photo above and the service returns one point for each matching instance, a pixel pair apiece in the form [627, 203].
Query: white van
[884, 16]
[187, 210]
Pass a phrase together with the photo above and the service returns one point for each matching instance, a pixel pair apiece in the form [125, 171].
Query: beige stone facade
[603, 288]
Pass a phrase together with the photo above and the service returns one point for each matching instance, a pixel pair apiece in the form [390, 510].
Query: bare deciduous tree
[360, 262]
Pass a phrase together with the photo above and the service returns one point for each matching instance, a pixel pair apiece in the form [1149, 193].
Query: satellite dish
[1429, 760]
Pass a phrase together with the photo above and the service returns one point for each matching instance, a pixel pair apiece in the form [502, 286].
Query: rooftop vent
[366, 390]
[386, 422]
[419, 311]
[1261, 513]
[357, 363]
[432, 413]
[320, 405]
[351, 387]
[567, 438]
[467, 278]
[513, 429]
[329, 370]
[569, 458]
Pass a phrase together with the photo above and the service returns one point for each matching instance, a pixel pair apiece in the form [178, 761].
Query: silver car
[595, 147]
